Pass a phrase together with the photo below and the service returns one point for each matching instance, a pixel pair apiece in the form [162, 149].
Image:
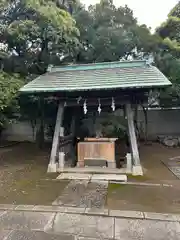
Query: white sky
[149, 12]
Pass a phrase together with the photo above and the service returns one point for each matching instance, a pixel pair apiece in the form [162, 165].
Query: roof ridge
[102, 65]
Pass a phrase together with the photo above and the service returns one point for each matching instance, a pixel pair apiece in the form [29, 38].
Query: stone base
[128, 171]
[137, 170]
[111, 164]
[52, 167]
[80, 164]
[128, 163]
[61, 160]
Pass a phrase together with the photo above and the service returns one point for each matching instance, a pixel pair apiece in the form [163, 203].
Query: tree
[168, 56]
[9, 86]
[169, 30]
[68, 5]
[109, 33]
[35, 34]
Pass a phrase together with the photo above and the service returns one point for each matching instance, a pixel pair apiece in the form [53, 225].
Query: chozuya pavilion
[97, 86]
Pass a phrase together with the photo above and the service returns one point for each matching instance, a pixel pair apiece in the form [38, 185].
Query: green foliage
[112, 124]
[107, 124]
[9, 86]
[169, 32]
[36, 34]
[168, 57]
[110, 33]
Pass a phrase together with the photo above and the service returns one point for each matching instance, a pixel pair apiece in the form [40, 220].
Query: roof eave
[29, 90]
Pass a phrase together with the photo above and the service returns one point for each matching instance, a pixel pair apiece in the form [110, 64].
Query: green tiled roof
[114, 75]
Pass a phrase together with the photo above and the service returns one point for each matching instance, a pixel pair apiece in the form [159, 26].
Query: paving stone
[110, 177]
[74, 210]
[161, 216]
[97, 211]
[74, 176]
[177, 217]
[7, 206]
[62, 209]
[2, 212]
[72, 193]
[126, 214]
[25, 220]
[175, 170]
[25, 207]
[4, 234]
[37, 235]
[174, 166]
[167, 185]
[146, 230]
[95, 195]
[85, 238]
[82, 225]
[42, 208]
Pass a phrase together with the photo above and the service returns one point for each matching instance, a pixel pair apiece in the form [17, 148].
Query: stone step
[109, 177]
[92, 177]
[92, 170]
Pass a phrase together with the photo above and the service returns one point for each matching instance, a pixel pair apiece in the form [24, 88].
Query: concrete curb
[143, 184]
[94, 212]
[120, 182]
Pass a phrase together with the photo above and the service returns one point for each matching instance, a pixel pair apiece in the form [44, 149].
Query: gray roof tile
[115, 75]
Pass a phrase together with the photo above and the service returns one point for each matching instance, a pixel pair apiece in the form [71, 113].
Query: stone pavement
[83, 193]
[79, 214]
[87, 192]
[174, 165]
[58, 225]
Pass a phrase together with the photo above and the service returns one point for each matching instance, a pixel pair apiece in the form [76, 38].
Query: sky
[152, 12]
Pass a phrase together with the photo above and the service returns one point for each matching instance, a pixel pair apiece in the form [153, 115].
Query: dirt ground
[154, 170]
[152, 156]
[24, 177]
[143, 198]
[149, 198]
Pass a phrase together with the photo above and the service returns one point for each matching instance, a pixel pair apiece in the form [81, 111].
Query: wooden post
[52, 167]
[61, 153]
[132, 135]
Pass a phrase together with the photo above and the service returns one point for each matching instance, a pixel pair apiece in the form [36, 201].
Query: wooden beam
[54, 150]
[104, 102]
[132, 135]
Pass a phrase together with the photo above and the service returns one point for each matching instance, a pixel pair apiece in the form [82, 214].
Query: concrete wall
[20, 131]
[160, 122]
